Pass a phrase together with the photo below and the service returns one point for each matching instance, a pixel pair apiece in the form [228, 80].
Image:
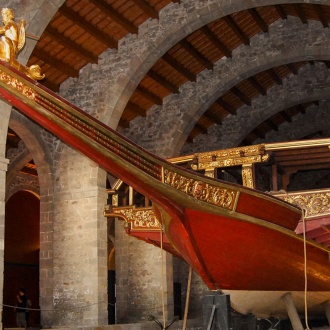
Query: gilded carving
[232, 162]
[140, 218]
[314, 204]
[16, 84]
[247, 176]
[201, 190]
[12, 42]
[232, 153]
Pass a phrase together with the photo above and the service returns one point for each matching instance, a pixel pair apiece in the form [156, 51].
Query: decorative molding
[139, 218]
[315, 204]
[221, 197]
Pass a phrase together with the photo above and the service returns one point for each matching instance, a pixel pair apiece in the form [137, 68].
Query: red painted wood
[229, 249]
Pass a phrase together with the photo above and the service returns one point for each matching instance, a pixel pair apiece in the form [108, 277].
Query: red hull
[234, 237]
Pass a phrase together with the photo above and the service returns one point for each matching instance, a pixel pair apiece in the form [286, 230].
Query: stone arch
[124, 69]
[23, 187]
[197, 97]
[317, 118]
[295, 90]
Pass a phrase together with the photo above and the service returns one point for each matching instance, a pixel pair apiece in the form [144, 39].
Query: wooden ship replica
[224, 230]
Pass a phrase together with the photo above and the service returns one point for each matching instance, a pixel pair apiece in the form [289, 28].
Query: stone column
[80, 243]
[292, 312]
[143, 285]
[3, 168]
[5, 110]
[326, 306]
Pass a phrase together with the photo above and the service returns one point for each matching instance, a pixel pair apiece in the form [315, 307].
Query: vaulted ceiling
[81, 30]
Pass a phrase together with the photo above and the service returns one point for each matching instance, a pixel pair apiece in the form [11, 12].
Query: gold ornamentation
[12, 42]
[139, 218]
[247, 176]
[231, 162]
[201, 190]
[232, 153]
[315, 204]
[16, 84]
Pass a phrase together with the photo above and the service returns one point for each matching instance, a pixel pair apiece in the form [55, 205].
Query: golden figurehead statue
[12, 42]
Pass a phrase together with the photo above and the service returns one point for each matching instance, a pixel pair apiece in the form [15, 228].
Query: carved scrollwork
[314, 204]
[16, 84]
[139, 218]
[201, 190]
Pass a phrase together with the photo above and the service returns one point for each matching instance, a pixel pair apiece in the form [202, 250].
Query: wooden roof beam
[179, 67]
[271, 124]
[226, 106]
[301, 108]
[320, 14]
[259, 20]
[150, 11]
[75, 18]
[148, 95]
[196, 54]
[212, 117]
[258, 133]
[119, 19]
[254, 82]
[240, 95]
[300, 13]
[232, 24]
[285, 116]
[200, 128]
[123, 123]
[280, 11]
[292, 68]
[275, 76]
[58, 65]
[216, 41]
[136, 109]
[162, 81]
[70, 45]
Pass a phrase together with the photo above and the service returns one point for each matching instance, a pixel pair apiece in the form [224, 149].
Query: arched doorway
[21, 256]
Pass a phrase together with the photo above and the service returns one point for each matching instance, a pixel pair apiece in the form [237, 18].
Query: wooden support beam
[148, 95]
[259, 20]
[275, 76]
[320, 13]
[259, 133]
[56, 64]
[216, 41]
[226, 106]
[178, 67]
[70, 45]
[240, 95]
[146, 7]
[212, 117]
[115, 16]
[285, 116]
[196, 54]
[281, 11]
[292, 68]
[136, 109]
[254, 82]
[232, 24]
[300, 13]
[75, 18]
[271, 124]
[301, 108]
[162, 81]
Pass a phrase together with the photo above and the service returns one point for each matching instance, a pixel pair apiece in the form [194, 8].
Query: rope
[184, 324]
[305, 271]
[162, 261]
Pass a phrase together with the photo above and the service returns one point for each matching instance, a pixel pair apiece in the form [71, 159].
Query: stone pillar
[142, 284]
[5, 110]
[3, 168]
[79, 243]
[326, 306]
[292, 312]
